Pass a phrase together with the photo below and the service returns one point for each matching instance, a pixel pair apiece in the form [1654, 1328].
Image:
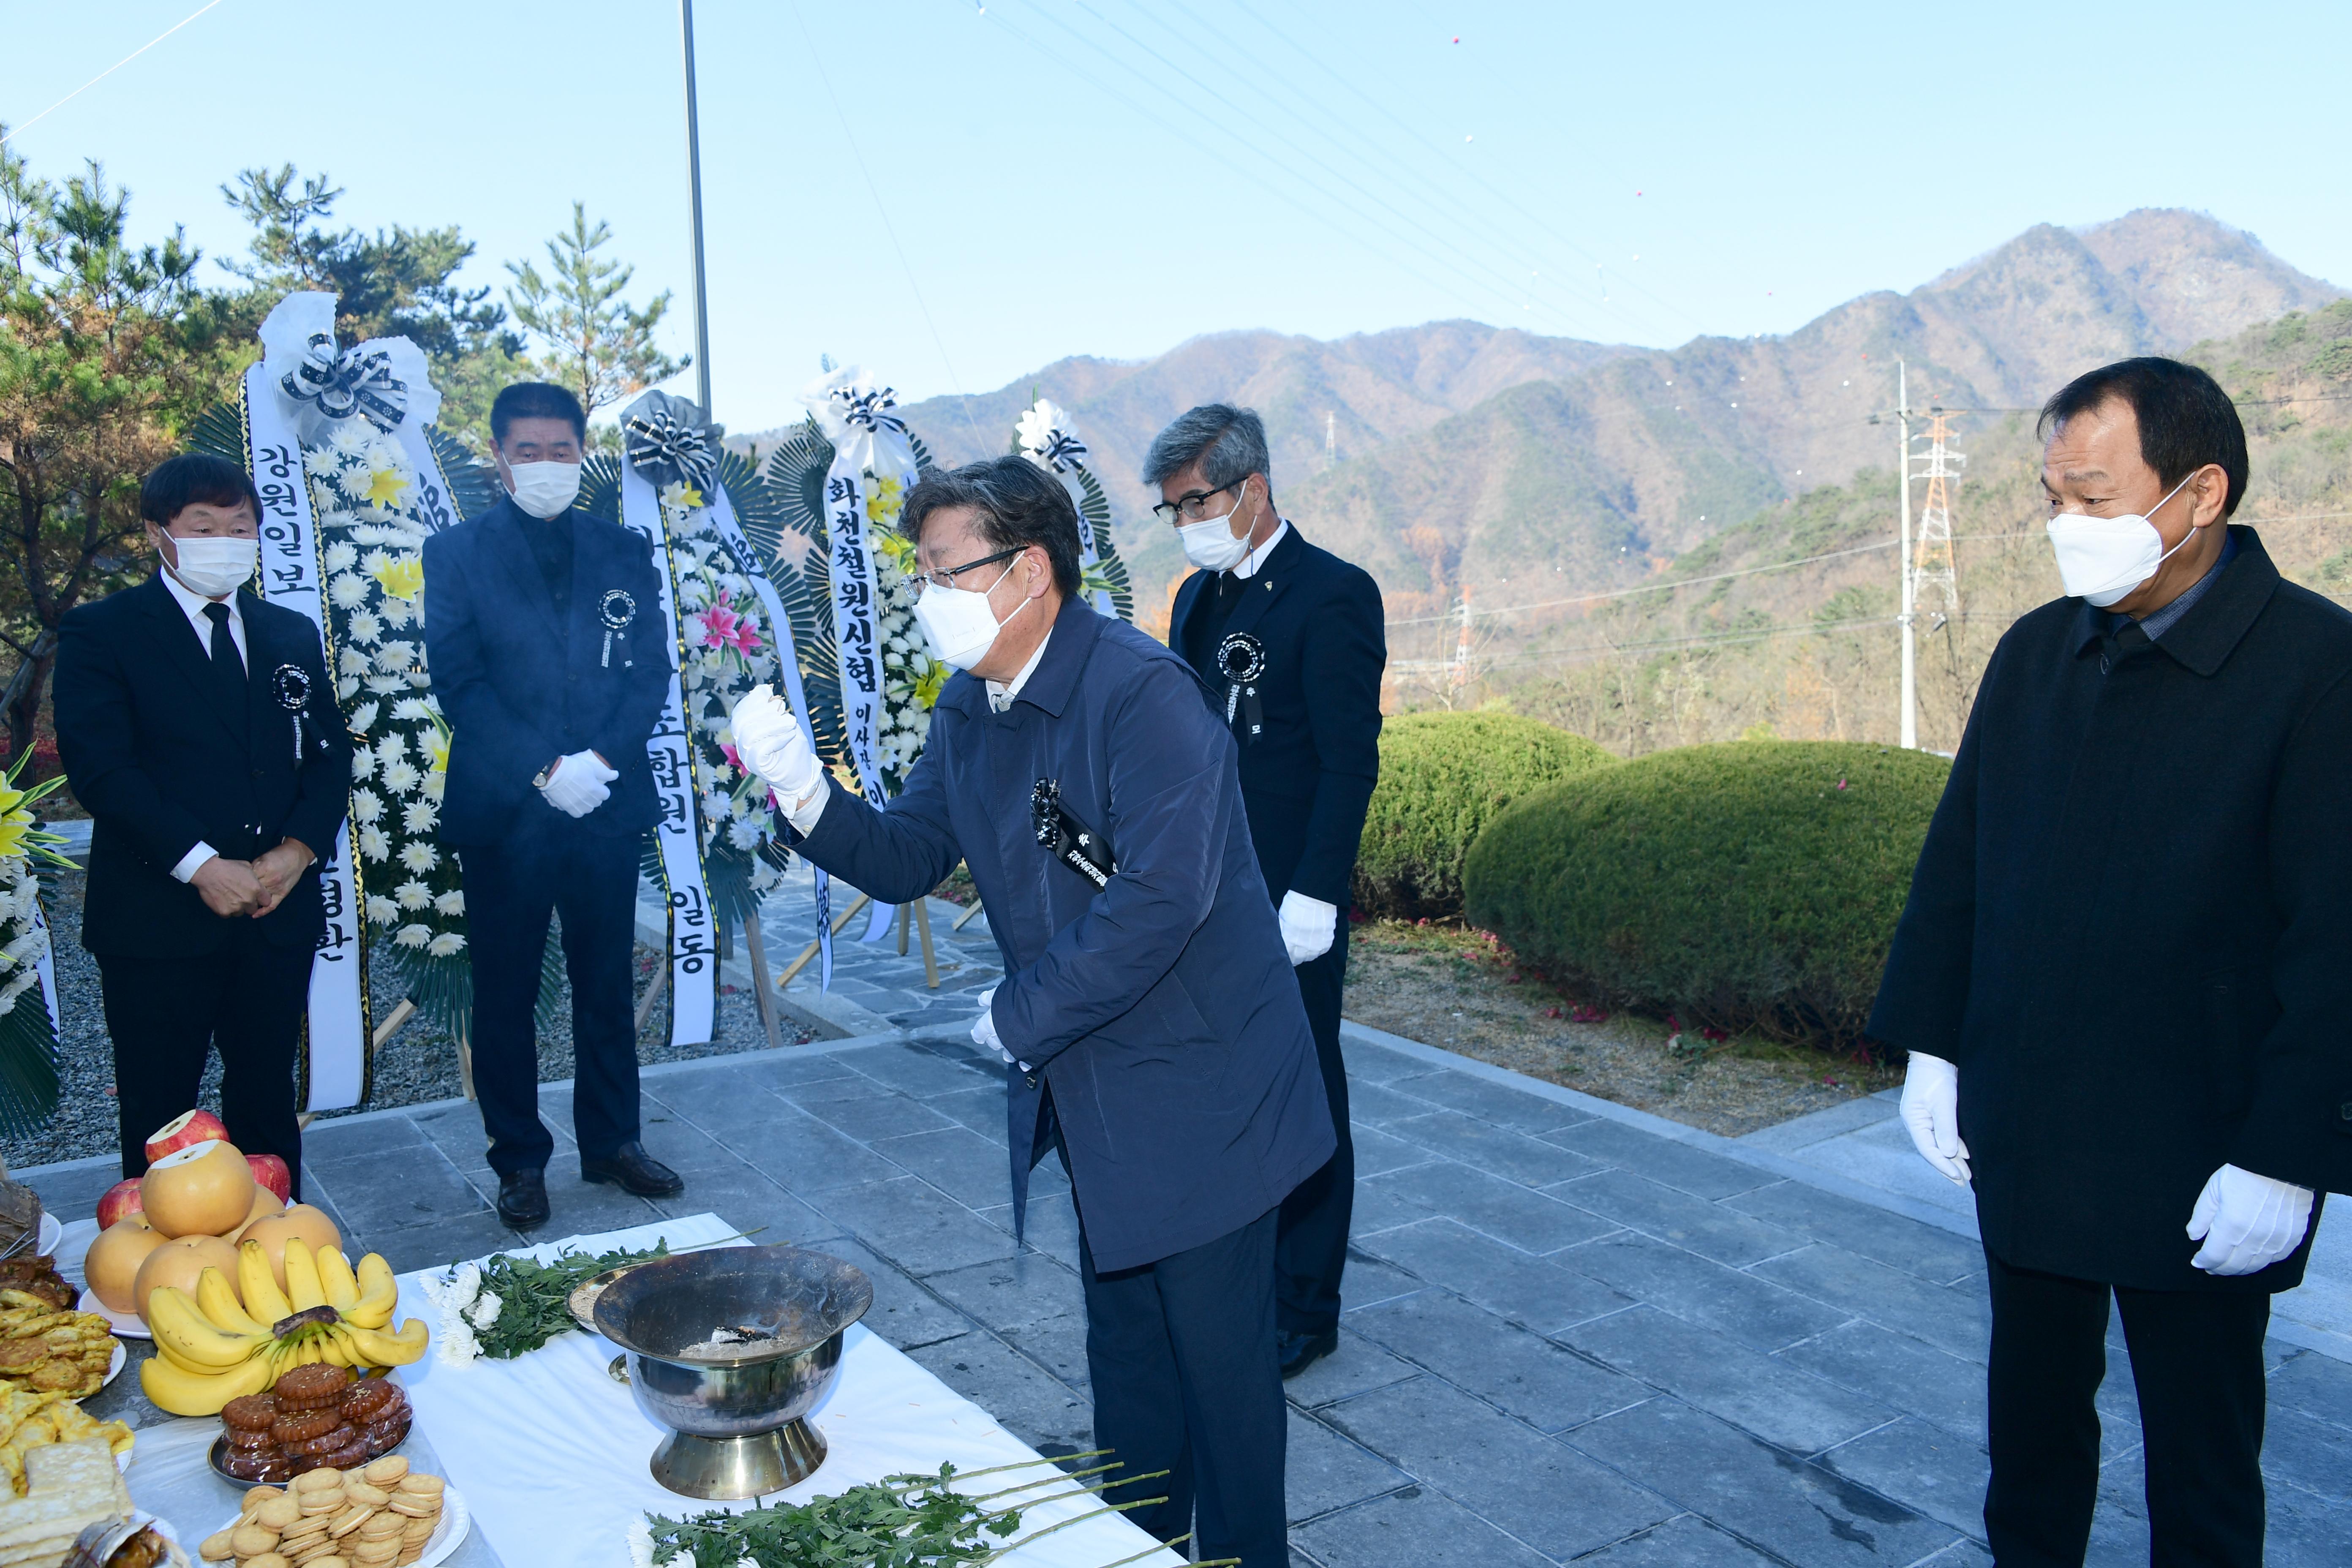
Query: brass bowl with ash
[730, 1349]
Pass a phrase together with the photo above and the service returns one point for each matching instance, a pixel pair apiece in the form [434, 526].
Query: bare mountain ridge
[1494, 456]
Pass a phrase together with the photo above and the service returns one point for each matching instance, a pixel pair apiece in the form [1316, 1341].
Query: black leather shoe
[522, 1199]
[1299, 1351]
[633, 1170]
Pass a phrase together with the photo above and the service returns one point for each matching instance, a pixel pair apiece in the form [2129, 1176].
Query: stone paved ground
[1573, 1331]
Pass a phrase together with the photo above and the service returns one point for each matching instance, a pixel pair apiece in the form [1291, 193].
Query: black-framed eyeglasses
[946, 575]
[1194, 507]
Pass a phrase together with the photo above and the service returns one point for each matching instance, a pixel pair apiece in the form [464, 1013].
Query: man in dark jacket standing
[549, 793]
[1287, 640]
[2125, 970]
[211, 806]
[1148, 1020]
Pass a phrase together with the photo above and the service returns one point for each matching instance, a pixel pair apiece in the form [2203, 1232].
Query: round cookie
[387, 1471]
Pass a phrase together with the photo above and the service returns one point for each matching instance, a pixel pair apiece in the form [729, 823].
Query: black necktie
[228, 666]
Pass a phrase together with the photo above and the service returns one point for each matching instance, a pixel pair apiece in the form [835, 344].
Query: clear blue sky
[1113, 177]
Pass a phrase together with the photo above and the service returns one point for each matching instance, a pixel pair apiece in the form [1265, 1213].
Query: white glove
[983, 1030]
[769, 739]
[575, 786]
[1931, 1111]
[2247, 1222]
[1307, 926]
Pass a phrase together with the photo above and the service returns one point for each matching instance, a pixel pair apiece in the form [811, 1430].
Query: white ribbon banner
[335, 1038]
[693, 944]
[1049, 439]
[747, 561]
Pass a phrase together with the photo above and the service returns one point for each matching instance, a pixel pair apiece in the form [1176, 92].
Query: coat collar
[1076, 628]
[1259, 589]
[191, 657]
[2203, 639]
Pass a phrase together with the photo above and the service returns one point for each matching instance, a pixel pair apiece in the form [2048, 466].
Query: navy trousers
[1311, 1240]
[1182, 1356]
[2197, 1359]
[551, 866]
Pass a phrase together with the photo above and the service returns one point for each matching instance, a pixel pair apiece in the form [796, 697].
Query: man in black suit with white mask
[543, 632]
[198, 727]
[1287, 640]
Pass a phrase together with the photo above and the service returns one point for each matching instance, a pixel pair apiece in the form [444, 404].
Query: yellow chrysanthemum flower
[401, 576]
[386, 487]
[13, 829]
[883, 498]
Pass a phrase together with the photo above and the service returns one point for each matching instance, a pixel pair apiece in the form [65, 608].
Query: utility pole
[1907, 619]
[1462, 671]
[694, 195]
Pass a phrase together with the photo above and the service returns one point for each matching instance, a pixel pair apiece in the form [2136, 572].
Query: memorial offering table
[551, 1452]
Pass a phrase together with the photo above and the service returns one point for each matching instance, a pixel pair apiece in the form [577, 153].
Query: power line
[7, 136]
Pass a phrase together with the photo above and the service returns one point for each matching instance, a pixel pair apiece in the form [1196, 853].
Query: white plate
[446, 1537]
[53, 1230]
[114, 1368]
[126, 1325]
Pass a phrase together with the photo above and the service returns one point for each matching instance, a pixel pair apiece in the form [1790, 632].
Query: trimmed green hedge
[1442, 776]
[1754, 885]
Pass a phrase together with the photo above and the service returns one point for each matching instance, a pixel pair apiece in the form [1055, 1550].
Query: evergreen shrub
[1443, 776]
[1749, 885]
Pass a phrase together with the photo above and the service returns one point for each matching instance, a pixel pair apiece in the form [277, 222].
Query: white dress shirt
[192, 604]
[1250, 562]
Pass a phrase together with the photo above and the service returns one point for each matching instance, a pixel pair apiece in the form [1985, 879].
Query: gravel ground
[1444, 985]
[415, 1066]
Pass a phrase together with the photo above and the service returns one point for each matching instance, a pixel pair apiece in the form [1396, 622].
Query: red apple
[270, 1171]
[193, 1127]
[121, 1199]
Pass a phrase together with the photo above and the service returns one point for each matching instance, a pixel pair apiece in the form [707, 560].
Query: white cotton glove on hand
[1931, 1111]
[769, 739]
[2246, 1222]
[578, 784]
[983, 1030]
[1307, 926]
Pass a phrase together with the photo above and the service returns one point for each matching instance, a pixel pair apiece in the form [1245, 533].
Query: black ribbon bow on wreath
[869, 410]
[1062, 451]
[668, 443]
[354, 381]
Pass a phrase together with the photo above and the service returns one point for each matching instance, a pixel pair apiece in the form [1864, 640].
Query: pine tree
[596, 343]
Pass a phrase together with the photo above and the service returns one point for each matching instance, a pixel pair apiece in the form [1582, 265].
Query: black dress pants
[550, 864]
[1312, 1245]
[163, 1015]
[1186, 1380]
[2196, 1357]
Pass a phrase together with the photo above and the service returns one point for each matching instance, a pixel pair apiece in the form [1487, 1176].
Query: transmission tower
[1462, 664]
[1931, 564]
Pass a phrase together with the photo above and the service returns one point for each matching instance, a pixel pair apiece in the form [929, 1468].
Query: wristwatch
[545, 773]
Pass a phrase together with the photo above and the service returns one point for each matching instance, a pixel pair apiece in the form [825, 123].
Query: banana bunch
[225, 1343]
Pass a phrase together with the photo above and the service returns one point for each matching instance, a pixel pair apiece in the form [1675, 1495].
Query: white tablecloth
[552, 1453]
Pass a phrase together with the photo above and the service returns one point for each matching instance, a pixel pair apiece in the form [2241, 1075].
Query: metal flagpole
[694, 196]
[1910, 631]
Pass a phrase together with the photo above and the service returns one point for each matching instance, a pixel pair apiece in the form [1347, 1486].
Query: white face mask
[957, 623]
[1209, 543]
[2104, 559]
[544, 490]
[214, 567]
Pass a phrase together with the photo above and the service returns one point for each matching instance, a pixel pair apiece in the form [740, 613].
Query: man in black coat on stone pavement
[550, 790]
[1309, 725]
[2125, 973]
[208, 818]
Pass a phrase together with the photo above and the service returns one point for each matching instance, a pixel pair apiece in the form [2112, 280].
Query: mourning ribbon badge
[616, 609]
[1241, 659]
[291, 684]
[1067, 839]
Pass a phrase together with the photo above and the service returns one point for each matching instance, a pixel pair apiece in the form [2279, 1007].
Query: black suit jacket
[1308, 779]
[520, 689]
[2131, 926]
[159, 765]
